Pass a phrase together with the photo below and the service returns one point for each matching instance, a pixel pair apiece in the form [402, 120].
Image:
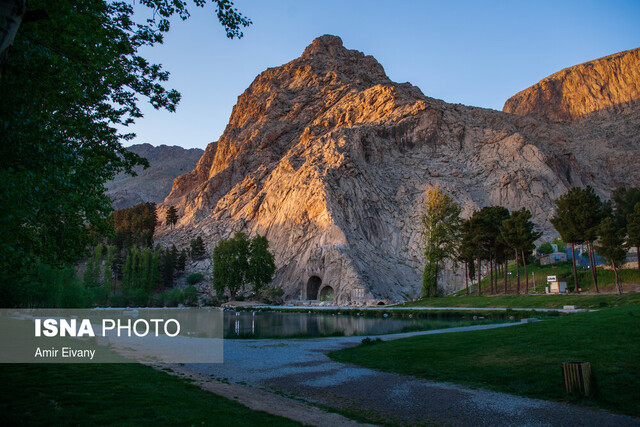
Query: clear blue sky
[470, 52]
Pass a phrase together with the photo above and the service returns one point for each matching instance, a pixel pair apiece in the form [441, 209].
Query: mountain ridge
[329, 159]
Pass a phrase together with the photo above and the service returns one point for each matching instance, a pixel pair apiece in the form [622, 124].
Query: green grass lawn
[591, 301]
[122, 394]
[525, 359]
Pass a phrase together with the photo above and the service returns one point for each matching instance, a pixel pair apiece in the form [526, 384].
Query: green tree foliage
[134, 226]
[519, 233]
[172, 216]
[466, 252]
[484, 236]
[633, 231]
[141, 270]
[168, 263]
[626, 201]
[578, 216]
[230, 264]
[441, 228]
[611, 245]
[181, 262]
[92, 272]
[238, 262]
[545, 248]
[262, 265]
[198, 250]
[108, 278]
[562, 246]
[68, 84]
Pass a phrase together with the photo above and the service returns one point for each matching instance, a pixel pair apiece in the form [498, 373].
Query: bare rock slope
[610, 83]
[154, 183]
[330, 160]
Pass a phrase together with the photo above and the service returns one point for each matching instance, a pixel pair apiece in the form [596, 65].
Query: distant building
[553, 258]
[556, 285]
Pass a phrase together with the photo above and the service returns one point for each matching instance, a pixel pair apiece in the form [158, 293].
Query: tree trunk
[517, 274]
[466, 276]
[490, 272]
[11, 13]
[638, 259]
[478, 274]
[592, 261]
[496, 267]
[435, 282]
[615, 271]
[504, 272]
[575, 272]
[526, 275]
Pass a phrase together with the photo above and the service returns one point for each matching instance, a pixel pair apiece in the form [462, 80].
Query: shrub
[190, 296]
[194, 278]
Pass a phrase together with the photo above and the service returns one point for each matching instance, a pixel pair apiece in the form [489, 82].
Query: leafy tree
[567, 222]
[168, 259]
[626, 201]
[134, 226]
[239, 261]
[91, 276]
[441, 228]
[181, 262]
[108, 280]
[466, 251]
[485, 233]
[633, 231]
[519, 233]
[231, 264]
[262, 265]
[172, 216]
[611, 245]
[545, 248]
[198, 250]
[67, 85]
[559, 243]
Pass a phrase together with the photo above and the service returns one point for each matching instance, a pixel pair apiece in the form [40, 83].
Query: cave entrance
[326, 294]
[313, 286]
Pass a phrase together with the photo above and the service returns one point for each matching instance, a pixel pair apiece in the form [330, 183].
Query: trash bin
[577, 378]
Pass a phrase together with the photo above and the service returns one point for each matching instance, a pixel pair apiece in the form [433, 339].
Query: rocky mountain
[154, 183]
[330, 160]
[611, 83]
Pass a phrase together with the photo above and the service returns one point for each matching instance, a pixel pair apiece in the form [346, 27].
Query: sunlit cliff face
[329, 159]
[609, 82]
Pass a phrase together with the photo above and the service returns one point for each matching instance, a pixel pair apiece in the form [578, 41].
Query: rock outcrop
[154, 183]
[611, 83]
[330, 160]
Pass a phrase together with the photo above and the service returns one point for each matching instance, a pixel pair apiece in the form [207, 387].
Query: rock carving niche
[313, 286]
[326, 294]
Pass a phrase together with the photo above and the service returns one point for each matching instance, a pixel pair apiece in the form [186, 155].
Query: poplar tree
[441, 229]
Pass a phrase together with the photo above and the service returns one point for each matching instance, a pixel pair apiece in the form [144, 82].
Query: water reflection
[276, 324]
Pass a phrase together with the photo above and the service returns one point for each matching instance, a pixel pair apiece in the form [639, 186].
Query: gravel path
[302, 369]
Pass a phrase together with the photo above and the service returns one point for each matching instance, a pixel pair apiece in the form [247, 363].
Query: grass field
[108, 394]
[525, 359]
[590, 301]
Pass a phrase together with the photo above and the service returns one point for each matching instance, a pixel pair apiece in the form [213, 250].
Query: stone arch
[313, 286]
[326, 294]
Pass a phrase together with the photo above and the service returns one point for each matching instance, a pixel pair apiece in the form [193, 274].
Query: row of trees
[495, 235]
[583, 218]
[491, 234]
